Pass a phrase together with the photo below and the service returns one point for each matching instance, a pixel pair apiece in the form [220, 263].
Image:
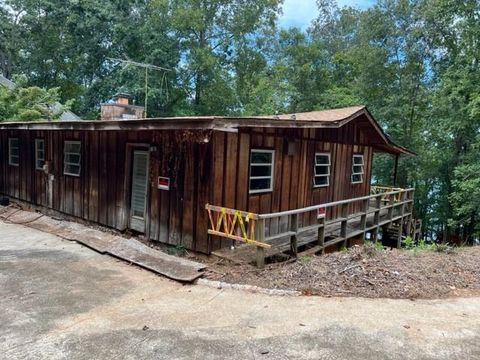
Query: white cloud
[300, 13]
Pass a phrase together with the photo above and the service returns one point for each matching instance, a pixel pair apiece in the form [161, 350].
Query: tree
[30, 103]
[212, 34]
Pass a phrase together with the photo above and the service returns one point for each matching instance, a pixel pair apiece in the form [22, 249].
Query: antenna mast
[147, 67]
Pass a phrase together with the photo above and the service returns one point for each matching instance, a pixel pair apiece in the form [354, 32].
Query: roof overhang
[328, 119]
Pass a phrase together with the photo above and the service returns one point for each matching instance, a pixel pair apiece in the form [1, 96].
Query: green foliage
[30, 103]
[423, 245]
[374, 245]
[306, 259]
[177, 250]
[408, 243]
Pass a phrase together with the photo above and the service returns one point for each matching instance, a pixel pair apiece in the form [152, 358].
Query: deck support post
[293, 237]
[260, 257]
[343, 225]
[260, 237]
[321, 233]
[409, 225]
[363, 218]
[391, 203]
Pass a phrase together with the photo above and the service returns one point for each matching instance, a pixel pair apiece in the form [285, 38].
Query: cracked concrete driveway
[59, 300]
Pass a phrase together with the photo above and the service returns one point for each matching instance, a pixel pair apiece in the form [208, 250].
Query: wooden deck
[307, 241]
[389, 209]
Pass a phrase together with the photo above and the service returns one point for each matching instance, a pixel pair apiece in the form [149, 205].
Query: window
[261, 170]
[321, 173]
[71, 158]
[357, 169]
[39, 154]
[13, 152]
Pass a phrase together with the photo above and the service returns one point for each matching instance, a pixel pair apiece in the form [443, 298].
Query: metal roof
[7, 83]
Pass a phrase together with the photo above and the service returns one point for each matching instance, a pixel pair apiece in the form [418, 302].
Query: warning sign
[163, 183]
[321, 212]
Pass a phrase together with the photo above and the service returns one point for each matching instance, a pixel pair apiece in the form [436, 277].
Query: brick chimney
[121, 109]
[122, 98]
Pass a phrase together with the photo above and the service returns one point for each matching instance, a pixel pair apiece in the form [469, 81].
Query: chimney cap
[121, 95]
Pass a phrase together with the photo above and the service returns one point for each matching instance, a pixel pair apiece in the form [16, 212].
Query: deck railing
[380, 209]
[384, 190]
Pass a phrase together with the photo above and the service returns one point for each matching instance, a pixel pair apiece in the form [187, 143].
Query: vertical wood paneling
[216, 172]
[188, 190]
[93, 157]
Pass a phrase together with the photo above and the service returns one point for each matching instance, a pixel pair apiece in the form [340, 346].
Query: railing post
[409, 216]
[402, 212]
[293, 237]
[343, 225]
[376, 217]
[260, 237]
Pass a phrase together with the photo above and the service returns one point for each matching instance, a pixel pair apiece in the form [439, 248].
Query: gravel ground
[365, 271]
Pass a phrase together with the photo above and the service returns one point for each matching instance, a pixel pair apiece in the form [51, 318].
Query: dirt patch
[365, 271]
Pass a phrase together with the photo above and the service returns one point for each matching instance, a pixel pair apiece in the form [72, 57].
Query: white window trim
[65, 163]
[271, 177]
[37, 141]
[329, 165]
[10, 151]
[358, 173]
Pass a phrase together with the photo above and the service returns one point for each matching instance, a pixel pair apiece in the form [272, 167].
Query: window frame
[272, 172]
[37, 158]
[65, 162]
[10, 156]
[362, 165]
[328, 165]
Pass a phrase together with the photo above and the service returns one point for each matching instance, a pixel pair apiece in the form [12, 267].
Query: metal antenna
[129, 62]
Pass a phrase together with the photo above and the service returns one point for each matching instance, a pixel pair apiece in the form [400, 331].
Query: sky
[300, 13]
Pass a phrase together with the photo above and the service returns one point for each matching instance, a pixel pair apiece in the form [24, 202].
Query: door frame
[129, 148]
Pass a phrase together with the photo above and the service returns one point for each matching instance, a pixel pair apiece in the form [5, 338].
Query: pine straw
[366, 272]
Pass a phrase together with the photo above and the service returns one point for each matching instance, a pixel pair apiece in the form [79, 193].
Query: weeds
[423, 245]
[408, 243]
[306, 259]
[177, 250]
[371, 247]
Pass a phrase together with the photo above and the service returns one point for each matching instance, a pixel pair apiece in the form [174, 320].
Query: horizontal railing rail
[330, 204]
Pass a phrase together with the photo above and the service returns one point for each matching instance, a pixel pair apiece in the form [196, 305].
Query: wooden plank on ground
[130, 250]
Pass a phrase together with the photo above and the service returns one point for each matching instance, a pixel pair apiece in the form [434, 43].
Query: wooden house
[156, 176]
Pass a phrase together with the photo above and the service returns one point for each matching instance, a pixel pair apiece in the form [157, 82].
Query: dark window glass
[259, 184]
[261, 157]
[261, 171]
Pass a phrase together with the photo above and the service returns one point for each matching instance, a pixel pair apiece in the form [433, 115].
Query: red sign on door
[163, 183]
[321, 212]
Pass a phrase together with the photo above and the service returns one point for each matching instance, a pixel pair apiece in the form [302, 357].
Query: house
[156, 176]
[67, 115]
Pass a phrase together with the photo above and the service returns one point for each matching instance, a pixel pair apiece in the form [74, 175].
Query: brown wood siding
[100, 195]
[216, 172]
[293, 174]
